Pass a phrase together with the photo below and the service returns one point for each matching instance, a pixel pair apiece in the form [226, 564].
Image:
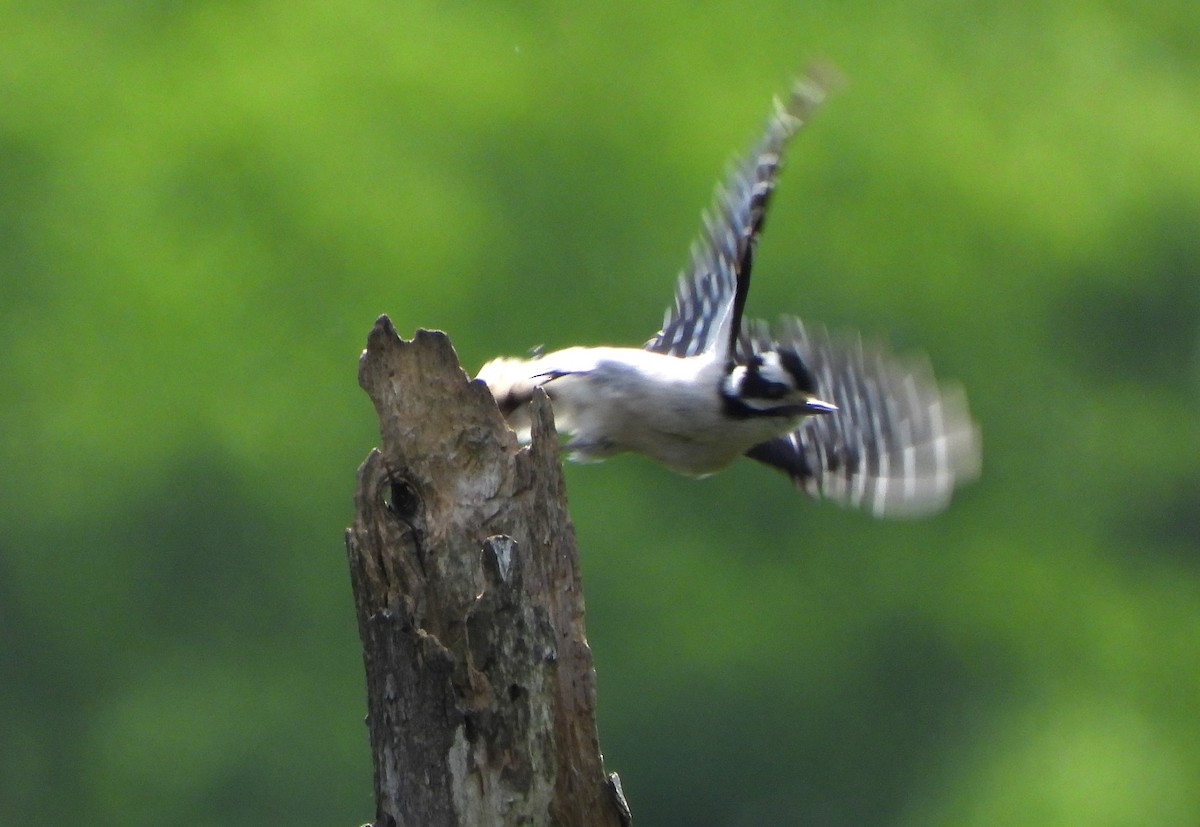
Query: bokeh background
[205, 205]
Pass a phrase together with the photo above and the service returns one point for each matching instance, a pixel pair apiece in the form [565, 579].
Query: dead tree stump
[480, 687]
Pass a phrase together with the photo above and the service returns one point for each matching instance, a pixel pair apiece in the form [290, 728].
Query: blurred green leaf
[205, 205]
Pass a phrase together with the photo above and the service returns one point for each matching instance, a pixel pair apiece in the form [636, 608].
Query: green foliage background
[205, 205]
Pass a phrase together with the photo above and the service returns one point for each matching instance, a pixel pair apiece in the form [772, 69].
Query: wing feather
[711, 293]
[899, 442]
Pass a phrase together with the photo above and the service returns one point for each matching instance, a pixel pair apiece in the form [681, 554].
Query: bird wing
[898, 443]
[711, 293]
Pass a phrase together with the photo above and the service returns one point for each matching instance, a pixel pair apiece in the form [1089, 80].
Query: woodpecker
[846, 421]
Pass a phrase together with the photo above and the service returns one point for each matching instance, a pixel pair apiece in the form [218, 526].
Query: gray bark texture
[481, 693]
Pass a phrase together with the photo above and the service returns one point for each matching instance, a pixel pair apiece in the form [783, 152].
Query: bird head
[773, 383]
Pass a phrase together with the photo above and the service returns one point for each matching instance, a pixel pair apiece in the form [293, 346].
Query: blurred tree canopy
[204, 206]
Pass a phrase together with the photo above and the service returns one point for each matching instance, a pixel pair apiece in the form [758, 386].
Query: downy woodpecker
[847, 421]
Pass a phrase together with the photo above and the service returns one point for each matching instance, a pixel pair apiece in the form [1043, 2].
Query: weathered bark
[480, 687]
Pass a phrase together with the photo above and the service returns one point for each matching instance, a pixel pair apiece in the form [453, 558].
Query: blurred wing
[711, 292]
[898, 444]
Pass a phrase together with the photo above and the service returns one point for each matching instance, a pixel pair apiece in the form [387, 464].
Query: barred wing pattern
[711, 292]
[898, 443]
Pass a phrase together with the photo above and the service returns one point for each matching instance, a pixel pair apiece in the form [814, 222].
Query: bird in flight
[846, 421]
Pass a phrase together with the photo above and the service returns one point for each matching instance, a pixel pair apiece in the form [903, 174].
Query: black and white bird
[846, 421]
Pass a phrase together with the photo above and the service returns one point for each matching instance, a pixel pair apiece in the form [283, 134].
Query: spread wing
[898, 444]
[711, 292]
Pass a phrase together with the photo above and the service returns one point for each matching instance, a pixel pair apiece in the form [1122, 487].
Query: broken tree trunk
[480, 688]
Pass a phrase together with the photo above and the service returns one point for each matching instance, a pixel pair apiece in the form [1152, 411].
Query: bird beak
[816, 406]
